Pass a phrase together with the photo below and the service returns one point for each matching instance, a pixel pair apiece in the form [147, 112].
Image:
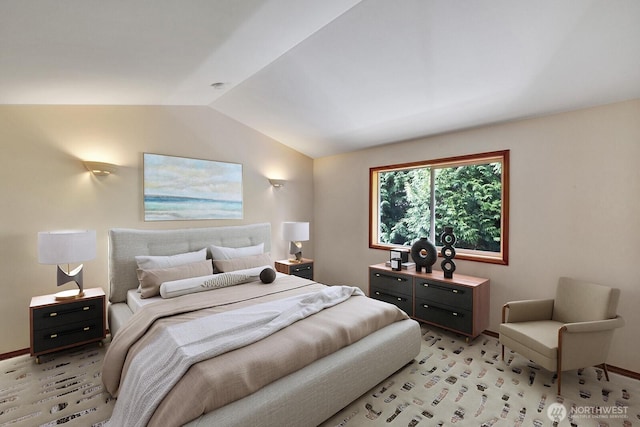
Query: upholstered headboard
[126, 244]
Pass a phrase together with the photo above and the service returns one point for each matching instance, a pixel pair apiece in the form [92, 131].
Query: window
[469, 193]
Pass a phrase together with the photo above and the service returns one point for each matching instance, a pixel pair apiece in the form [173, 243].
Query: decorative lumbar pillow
[221, 252]
[267, 275]
[227, 265]
[148, 262]
[150, 280]
[177, 288]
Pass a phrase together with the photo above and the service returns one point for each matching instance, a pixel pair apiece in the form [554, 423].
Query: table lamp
[296, 233]
[67, 247]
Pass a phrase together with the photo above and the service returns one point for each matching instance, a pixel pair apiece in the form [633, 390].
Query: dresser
[304, 268]
[460, 304]
[56, 325]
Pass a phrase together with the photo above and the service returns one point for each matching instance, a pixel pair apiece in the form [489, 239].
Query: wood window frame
[501, 257]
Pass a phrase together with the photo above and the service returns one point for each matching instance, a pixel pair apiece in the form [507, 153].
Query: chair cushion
[581, 301]
[540, 336]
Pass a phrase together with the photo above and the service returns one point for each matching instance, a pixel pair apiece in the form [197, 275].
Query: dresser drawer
[460, 297]
[391, 283]
[67, 335]
[304, 271]
[403, 302]
[63, 314]
[441, 314]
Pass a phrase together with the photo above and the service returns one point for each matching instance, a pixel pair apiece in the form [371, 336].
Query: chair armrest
[527, 310]
[594, 326]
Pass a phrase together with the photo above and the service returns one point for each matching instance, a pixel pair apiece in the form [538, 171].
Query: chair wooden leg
[606, 373]
[559, 363]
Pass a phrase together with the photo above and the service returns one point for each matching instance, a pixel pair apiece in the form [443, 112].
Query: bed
[312, 391]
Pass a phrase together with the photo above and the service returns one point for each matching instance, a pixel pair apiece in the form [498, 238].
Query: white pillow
[235, 264]
[150, 280]
[221, 252]
[149, 262]
[176, 288]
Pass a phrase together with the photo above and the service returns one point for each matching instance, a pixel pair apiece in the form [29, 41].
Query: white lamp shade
[66, 247]
[295, 231]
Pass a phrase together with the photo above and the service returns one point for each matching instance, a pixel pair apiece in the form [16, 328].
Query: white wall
[575, 208]
[44, 186]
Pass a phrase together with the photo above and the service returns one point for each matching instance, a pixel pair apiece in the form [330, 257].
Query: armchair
[571, 331]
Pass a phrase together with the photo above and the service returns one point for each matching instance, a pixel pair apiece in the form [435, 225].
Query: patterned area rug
[64, 389]
[453, 382]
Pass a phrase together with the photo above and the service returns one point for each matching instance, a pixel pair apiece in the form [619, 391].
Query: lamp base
[68, 295]
[297, 255]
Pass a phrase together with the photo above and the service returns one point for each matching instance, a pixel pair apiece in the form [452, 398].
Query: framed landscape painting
[180, 188]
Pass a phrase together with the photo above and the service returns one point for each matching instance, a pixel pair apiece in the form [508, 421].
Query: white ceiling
[329, 76]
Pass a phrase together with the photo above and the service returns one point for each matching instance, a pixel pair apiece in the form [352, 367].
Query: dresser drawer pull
[453, 313]
[302, 268]
[86, 328]
[443, 288]
[63, 313]
[53, 336]
[399, 279]
[389, 295]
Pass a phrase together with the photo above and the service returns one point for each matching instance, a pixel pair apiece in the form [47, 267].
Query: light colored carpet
[451, 382]
[64, 389]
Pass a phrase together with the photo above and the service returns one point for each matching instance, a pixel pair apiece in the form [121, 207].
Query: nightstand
[303, 268]
[56, 325]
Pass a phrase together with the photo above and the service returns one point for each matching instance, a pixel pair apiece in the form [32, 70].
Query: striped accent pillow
[223, 280]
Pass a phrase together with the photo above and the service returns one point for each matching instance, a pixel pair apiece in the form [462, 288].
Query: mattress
[135, 300]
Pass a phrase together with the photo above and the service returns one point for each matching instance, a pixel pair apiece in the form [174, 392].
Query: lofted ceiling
[331, 76]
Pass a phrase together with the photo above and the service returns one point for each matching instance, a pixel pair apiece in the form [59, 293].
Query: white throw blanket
[160, 365]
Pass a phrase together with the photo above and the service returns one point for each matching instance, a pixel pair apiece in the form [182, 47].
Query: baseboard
[16, 353]
[610, 368]
[490, 333]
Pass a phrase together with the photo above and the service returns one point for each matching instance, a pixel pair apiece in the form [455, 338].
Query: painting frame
[179, 188]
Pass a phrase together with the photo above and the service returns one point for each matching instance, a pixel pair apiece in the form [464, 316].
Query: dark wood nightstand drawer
[391, 282]
[63, 314]
[460, 320]
[445, 293]
[67, 335]
[302, 270]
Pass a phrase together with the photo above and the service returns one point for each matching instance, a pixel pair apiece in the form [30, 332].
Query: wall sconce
[100, 169]
[277, 183]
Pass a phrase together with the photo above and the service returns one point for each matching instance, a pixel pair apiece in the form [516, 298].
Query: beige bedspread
[216, 382]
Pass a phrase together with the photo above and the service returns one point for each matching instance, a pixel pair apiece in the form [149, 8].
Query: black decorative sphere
[424, 254]
[267, 275]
